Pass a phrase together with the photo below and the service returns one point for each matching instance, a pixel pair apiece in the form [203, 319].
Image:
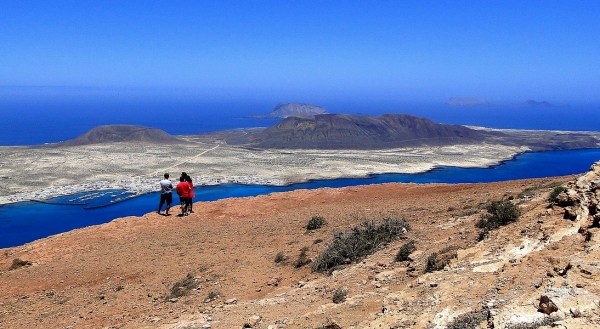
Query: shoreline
[61, 171]
[139, 187]
[134, 187]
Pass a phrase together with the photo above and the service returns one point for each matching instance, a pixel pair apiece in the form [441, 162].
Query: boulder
[546, 305]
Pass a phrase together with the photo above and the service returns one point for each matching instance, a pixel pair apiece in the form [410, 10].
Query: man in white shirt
[165, 195]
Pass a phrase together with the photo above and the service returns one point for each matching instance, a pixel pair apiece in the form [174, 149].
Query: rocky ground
[121, 274]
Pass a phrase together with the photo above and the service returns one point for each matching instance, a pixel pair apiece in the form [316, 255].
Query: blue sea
[38, 120]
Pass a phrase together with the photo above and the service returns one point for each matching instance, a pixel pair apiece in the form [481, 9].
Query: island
[297, 149]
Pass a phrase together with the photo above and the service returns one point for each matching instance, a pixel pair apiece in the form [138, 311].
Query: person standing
[183, 190]
[188, 179]
[165, 194]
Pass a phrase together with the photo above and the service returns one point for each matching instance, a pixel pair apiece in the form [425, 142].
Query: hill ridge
[122, 133]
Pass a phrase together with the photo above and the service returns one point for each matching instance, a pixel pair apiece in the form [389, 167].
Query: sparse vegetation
[547, 321]
[183, 287]
[359, 242]
[339, 295]
[280, 257]
[438, 260]
[302, 258]
[212, 295]
[430, 266]
[405, 251]
[465, 212]
[330, 325]
[315, 223]
[470, 320]
[533, 190]
[499, 213]
[18, 263]
[555, 192]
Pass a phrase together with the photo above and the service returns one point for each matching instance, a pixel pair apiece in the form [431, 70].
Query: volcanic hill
[122, 133]
[345, 131]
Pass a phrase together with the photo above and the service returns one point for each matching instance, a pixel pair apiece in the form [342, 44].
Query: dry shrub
[302, 258]
[499, 213]
[359, 242]
[183, 287]
[405, 251]
[18, 263]
[339, 295]
[470, 320]
[315, 223]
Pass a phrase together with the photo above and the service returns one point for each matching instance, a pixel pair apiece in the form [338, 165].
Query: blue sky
[383, 50]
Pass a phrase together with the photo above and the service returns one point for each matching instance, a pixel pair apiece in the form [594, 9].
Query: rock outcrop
[581, 197]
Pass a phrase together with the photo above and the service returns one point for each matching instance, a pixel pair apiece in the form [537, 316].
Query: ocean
[37, 121]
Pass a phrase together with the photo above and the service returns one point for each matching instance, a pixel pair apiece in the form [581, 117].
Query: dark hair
[188, 179]
[181, 179]
[166, 175]
[184, 174]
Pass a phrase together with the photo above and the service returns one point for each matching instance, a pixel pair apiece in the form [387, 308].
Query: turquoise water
[27, 221]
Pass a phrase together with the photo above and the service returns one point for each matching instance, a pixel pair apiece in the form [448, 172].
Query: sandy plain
[43, 172]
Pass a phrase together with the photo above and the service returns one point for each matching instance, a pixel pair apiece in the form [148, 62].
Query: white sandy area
[44, 172]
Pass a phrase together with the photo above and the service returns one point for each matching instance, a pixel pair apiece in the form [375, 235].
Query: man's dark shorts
[166, 197]
[183, 201]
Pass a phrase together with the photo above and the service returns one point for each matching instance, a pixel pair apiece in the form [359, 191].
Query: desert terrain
[238, 262]
[138, 166]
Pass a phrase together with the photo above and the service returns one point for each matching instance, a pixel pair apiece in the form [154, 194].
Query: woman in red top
[183, 191]
[188, 179]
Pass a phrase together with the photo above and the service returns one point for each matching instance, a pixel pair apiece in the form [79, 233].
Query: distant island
[467, 102]
[480, 102]
[532, 103]
[292, 109]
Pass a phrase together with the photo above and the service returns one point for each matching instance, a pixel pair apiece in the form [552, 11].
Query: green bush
[315, 223]
[555, 192]
[359, 242]
[183, 287]
[499, 213]
[405, 251]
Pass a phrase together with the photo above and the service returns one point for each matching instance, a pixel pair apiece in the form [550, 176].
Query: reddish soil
[118, 275]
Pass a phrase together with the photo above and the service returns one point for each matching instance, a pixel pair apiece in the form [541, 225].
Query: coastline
[134, 187]
[138, 187]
